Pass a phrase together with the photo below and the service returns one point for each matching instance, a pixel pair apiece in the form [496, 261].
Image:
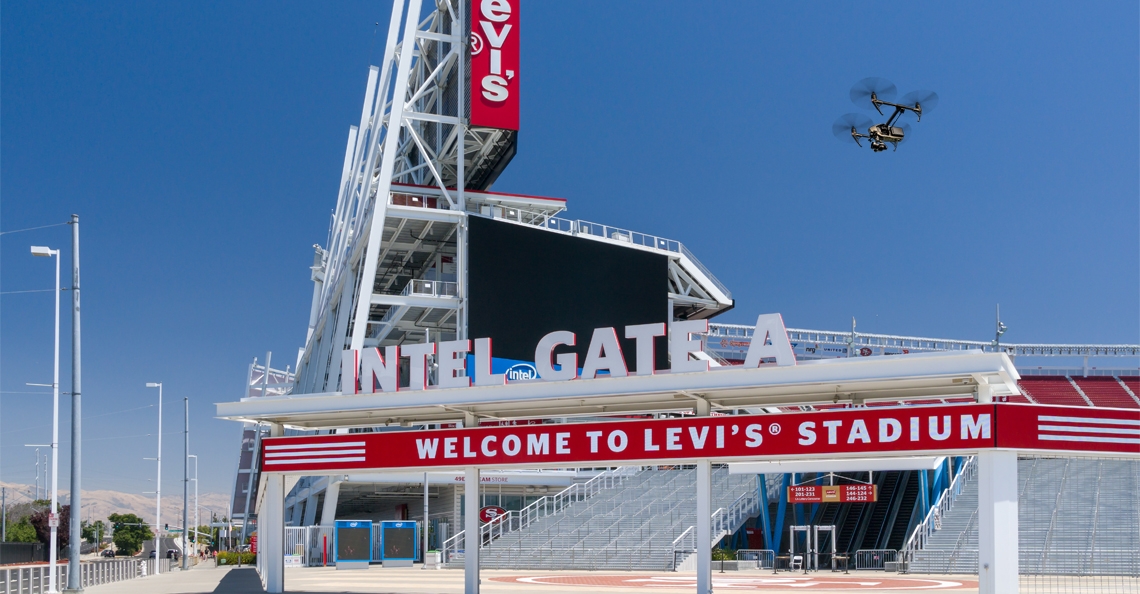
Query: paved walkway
[200, 579]
[206, 579]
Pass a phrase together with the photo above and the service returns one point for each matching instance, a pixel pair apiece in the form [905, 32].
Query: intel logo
[521, 371]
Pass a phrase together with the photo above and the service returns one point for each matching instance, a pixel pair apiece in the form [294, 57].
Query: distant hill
[99, 504]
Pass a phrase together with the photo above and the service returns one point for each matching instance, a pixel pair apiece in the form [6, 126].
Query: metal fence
[22, 552]
[33, 579]
[763, 558]
[876, 559]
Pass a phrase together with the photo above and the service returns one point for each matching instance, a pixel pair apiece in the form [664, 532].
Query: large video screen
[525, 283]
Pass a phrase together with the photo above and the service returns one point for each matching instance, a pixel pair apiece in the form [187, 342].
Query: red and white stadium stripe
[1088, 429]
[314, 453]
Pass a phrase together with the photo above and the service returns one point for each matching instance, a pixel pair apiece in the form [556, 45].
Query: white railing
[933, 521]
[33, 579]
[547, 505]
[430, 288]
[724, 522]
[581, 227]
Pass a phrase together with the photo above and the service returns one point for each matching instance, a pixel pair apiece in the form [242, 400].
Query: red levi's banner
[869, 431]
[495, 64]
[1069, 428]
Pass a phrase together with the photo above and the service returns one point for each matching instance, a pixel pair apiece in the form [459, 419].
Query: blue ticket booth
[399, 542]
[352, 544]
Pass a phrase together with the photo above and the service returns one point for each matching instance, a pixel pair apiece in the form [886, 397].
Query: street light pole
[197, 536]
[53, 522]
[74, 584]
[158, 483]
[185, 483]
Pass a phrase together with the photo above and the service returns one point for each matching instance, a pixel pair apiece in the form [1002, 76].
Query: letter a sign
[495, 64]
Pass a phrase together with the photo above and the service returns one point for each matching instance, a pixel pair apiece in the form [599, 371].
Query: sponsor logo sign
[521, 372]
[495, 64]
[463, 363]
[490, 513]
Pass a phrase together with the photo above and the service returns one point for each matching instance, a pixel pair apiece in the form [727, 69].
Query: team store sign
[374, 371]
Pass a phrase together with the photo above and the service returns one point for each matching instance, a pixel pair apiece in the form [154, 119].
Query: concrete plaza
[207, 579]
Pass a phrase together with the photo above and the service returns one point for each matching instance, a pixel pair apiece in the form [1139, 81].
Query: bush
[232, 558]
[723, 555]
[22, 531]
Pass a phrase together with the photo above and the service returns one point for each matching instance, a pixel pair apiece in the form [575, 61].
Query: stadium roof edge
[912, 377]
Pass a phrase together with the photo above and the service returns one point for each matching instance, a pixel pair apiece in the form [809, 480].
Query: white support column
[271, 527]
[328, 511]
[704, 527]
[471, 531]
[997, 522]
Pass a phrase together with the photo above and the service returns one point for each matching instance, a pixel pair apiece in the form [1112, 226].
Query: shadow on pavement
[240, 581]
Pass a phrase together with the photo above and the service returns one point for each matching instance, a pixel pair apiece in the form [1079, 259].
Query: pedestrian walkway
[206, 579]
[203, 578]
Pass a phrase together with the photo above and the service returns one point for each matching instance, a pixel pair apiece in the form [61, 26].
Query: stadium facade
[421, 251]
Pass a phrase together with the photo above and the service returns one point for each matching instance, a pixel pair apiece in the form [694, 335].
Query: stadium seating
[1106, 391]
[1075, 516]
[631, 526]
[1052, 390]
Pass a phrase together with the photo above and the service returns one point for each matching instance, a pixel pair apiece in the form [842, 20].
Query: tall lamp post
[186, 484]
[197, 536]
[158, 483]
[53, 522]
[74, 584]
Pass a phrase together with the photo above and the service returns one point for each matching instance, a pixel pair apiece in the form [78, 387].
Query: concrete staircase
[1076, 516]
[630, 526]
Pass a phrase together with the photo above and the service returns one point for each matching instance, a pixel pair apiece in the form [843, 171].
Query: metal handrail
[430, 288]
[931, 523]
[958, 543]
[544, 506]
[583, 227]
[723, 521]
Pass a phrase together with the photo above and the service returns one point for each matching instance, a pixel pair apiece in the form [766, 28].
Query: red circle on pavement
[758, 583]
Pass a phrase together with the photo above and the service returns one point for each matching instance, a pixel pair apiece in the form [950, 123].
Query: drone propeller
[848, 123]
[922, 101]
[880, 88]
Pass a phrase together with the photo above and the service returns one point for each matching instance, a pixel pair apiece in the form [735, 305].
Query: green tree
[93, 531]
[130, 532]
[22, 531]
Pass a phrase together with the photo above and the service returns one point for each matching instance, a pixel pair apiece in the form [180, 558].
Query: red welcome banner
[860, 431]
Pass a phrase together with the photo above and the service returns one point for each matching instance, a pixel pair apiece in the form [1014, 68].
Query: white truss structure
[394, 266]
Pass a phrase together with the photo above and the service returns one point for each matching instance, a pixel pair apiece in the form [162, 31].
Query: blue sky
[201, 143]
